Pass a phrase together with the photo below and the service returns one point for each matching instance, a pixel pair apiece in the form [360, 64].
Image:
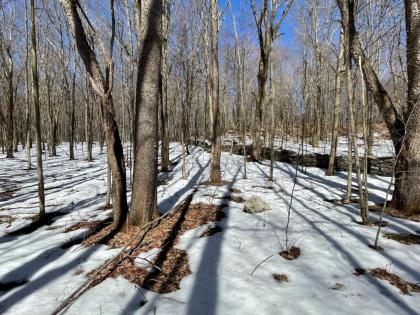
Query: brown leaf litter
[396, 213]
[280, 277]
[290, 254]
[407, 239]
[404, 286]
[170, 264]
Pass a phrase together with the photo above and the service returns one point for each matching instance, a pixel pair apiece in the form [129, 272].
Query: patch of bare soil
[404, 286]
[290, 254]
[280, 277]
[407, 239]
[396, 213]
[171, 264]
[236, 190]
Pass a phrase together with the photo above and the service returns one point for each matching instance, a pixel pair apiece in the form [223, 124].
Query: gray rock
[255, 205]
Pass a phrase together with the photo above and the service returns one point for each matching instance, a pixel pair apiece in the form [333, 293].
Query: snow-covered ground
[321, 280]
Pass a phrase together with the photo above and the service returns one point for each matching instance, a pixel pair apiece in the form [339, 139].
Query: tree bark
[148, 95]
[35, 95]
[337, 107]
[215, 176]
[407, 178]
[72, 108]
[164, 99]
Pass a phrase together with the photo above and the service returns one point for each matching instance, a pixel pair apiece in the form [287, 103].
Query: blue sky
[242, 10]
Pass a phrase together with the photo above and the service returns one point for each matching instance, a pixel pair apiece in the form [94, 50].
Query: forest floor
[234, 269]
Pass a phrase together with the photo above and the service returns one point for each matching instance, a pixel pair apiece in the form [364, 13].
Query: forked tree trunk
[115, 153]
[215, 176]
[148, 95]
[35, 95]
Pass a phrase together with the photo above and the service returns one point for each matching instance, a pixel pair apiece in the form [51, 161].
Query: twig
[256, 267]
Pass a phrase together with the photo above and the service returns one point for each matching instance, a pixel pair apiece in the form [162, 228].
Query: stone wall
[381, 166]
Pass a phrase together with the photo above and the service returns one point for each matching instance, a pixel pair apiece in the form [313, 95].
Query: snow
[332, 244]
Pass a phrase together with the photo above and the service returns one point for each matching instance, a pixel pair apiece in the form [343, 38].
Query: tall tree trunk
[103, 89]
[240, 88]
[10, 128]
[72, 108]
[148, 95]
[164, 99]
[407, 188]
[260, 102]
[337, 107]
[35, 95]
[27, 95]
[215, 176]
[272, 125]
[88, 126]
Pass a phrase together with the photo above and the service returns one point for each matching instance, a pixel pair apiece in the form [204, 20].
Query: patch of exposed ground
[396, 213]
[404, 286]
[171, 264]
[407, 239]
[290, 254]
[280, 277]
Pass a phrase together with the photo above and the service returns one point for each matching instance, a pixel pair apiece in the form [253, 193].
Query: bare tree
[268, 25]
[35, 96]
[215, 176]
[337, 106]
[103, 87]
[148, 96]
